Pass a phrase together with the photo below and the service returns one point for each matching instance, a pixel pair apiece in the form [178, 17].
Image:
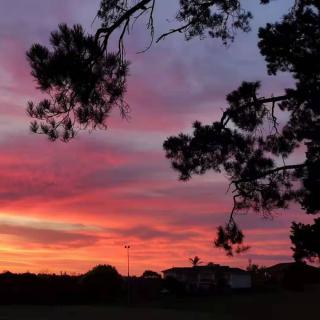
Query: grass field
[258, 306]
[95, 313]
[262, 306]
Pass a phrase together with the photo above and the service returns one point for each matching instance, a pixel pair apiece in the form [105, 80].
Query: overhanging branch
[108, 30]
[270, 172]
[164, 35]
[226, 116]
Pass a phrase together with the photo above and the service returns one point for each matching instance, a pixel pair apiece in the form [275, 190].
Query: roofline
[201, 267]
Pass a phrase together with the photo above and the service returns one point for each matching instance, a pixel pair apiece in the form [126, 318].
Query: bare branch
[150, 26]
[106, 32]
[164, 35]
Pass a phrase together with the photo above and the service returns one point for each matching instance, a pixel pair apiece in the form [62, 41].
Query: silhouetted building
[293, 274]
[210, 276]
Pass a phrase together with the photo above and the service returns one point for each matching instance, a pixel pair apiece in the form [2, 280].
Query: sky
[68, 207]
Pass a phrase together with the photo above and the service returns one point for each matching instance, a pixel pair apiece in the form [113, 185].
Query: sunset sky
[68, 207]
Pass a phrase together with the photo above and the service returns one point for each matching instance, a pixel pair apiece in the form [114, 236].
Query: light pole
[128, 257]
[128, 278]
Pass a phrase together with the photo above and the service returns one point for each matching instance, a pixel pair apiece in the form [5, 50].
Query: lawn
[95, 313]
[262, 306]
[256, 306]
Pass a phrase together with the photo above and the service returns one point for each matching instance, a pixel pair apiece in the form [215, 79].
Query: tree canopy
[195, 261]
[250, 145]
[85, 75]
[306, 241]
[149, 274]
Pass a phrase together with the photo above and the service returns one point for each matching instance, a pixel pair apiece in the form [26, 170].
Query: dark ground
[95, 313]
[262, 306]
[258, 306]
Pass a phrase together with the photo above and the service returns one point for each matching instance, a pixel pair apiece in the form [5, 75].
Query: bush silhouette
[103, 283]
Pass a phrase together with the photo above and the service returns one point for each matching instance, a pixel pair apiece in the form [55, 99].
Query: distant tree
[196, 261]
[255, 268]
[306, 241]
[149, 274]
[102, 283]
[85, 76]
[260, 276]
[257, 140]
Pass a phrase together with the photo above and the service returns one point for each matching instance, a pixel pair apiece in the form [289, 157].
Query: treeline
[101, 285]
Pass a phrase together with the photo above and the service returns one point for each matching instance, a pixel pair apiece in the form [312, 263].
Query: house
[210, 276]
[293, 274]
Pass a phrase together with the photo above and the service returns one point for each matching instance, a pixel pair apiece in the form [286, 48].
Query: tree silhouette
[306, 241]
[256, 269]
[84, 76]
[103, 282]
[196, 261]
[250, 144]
[149, 274]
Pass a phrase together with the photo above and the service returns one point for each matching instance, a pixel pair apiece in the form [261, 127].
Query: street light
[128, 256]
[128, 279]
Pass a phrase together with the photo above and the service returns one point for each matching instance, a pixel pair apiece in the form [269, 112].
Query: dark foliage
[175, 287]
[260, 278]
[83, 82]
[217, 18]
[146, 288]
[230, 238]
[84, 76]
[102, 283]
[29, 288]
[306, 241]
[195, 261]
[250, 145]
[149, 274]
[255, 269]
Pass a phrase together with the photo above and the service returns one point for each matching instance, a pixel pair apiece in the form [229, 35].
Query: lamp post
[128, 257]
[128, 278]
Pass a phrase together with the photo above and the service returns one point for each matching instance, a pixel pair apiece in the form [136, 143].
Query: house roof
[281, 267]
[192, 269]
[195, 269]
[238, 270]
[304, 272]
